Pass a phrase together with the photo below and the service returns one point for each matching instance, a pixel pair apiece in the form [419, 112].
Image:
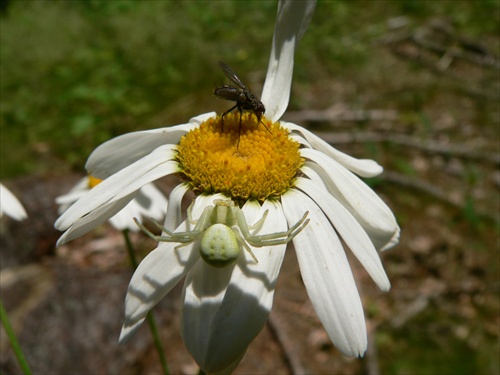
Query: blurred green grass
[74, 74]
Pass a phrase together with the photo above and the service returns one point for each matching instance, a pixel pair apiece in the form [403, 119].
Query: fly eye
[218, 246]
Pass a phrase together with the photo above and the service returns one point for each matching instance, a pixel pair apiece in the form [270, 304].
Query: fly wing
[229, 93]
[232, 76]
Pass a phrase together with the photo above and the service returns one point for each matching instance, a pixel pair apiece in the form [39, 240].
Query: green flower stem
[13, 341]
[150, 318]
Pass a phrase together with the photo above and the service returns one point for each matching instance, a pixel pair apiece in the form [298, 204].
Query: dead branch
[434, 191]
[436, 46]
[291, 356]
[428, 146]
[341, 114]
[413, 309]
[372, 362]
[439, 37]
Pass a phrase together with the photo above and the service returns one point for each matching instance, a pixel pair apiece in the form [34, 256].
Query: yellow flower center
[93, 181]
[261, 165]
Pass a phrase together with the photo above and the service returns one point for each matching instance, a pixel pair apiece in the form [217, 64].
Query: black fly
[244, 98]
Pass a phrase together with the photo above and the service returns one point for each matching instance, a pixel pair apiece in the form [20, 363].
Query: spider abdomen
[219, 246]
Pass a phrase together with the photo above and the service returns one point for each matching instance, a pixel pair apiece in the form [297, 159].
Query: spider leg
[183, 245]
[242, 222]
[202, 224]
[280, 237]
[299, 225]
[190, 214]
[258, 225]
[242, 242]
[183, 237]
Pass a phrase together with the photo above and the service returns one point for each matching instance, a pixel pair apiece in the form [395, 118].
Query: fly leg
[239, 129]
[225, 113]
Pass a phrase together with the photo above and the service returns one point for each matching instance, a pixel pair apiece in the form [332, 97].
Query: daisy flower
[149, 202]
[10, 205]
[258, 187]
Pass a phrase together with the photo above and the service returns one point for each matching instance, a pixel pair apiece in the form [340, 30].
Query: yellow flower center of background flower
[93, 181]
[262, 165]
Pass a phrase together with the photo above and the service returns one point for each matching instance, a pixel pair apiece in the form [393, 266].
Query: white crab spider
[223, 229]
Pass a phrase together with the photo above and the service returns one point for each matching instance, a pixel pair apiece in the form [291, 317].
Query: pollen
[258, 161]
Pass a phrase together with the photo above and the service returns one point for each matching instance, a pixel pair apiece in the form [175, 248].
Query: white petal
[203, 201]
[253, 212]
[88, 222]
[124, 219]
[174, 212]
[76, 192]
[65, 201]
[161, 270]
[349, 229]
[120, 152]
[369, 210]
[202, 118]
[10, 205]
[362, 167]
[224, 309]
[297, 137]
[292, 20]
[128, 330]
[308, 169]
[123, 183]
[155, 276]
[71, 197]
[203, 292]
[151, 202]
[327, 275]
[229, 369]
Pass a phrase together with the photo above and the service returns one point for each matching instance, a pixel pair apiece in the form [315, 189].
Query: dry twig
[341, 114]
[291, 356]
[372, 363]
[428, 145]
[433, 191]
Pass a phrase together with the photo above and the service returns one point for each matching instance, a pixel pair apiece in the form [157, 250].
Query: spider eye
[219, 247]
